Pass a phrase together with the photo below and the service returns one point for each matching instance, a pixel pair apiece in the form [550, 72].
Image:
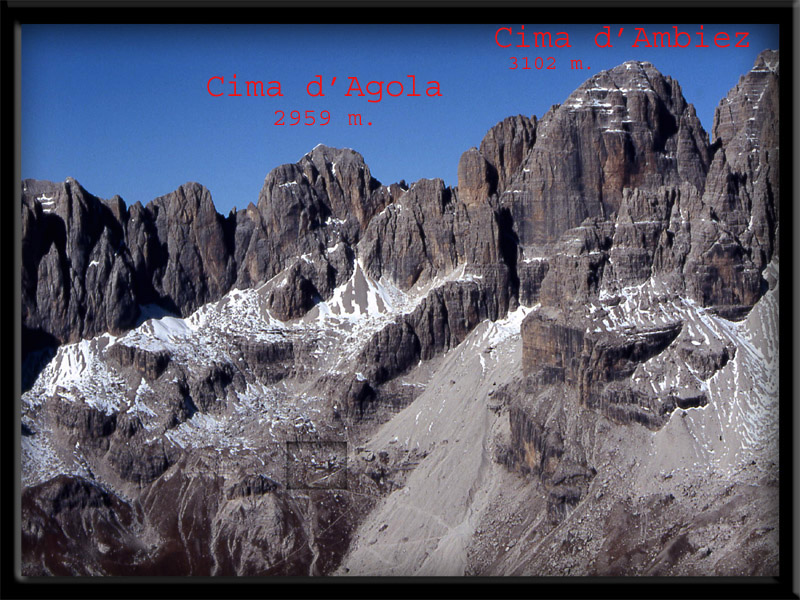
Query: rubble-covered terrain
[567, 364]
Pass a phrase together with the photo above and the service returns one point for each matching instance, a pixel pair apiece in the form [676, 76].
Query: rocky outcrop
[706, 360]
[506, 146]
[643, 218]
[547, 443]
[439, 323]
[745, 182]
[209, 387]
[141, 464]
[313, 212]
[252, 485]
[83, 421]
[71, 525]
[391, 351]
[422, 239]
[413, 240]
[551, 345]
[148, 363]
[616, 357]
[269, 362]
[477, 179]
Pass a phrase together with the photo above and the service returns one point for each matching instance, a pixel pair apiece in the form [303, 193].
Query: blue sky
[125, 109]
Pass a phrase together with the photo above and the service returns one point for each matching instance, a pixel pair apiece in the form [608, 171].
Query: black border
[14, 13]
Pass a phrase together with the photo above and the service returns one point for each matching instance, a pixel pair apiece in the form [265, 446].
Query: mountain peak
[767, 60]
[753, 100]
[628, 79]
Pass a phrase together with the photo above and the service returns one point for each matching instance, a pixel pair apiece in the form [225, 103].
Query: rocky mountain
[567, 364]
[90, 265]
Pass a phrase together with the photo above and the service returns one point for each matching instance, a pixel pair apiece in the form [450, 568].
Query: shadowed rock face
[612, 223]
[75, 282]
[197, 266]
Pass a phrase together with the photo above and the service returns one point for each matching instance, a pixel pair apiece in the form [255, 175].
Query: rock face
[74, 282]
[196, 266]
[600, 366]
[741, 192]
[595, 275]
[629, 127]
[485, 172]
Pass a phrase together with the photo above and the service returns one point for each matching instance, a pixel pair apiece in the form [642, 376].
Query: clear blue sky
[125, 109]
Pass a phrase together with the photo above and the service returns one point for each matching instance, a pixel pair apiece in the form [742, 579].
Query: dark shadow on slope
[509, 244]
[38, 349]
